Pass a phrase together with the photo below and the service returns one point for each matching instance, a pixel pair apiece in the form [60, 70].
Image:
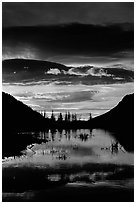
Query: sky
[45, 13]
[71, 33]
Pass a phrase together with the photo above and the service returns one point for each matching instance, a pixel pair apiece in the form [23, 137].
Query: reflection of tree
[91, 132]
[74, 133]
[62, 157]
[53, 132]
[42, 135]
[83, 137]
[67, 133]
[114, 148]
[60, 133]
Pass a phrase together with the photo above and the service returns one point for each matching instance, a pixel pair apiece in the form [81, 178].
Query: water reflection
[53, 134]
[74, 146]
[114, 148]
[91, 159]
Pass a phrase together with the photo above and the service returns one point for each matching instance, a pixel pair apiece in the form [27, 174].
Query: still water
[73, 157]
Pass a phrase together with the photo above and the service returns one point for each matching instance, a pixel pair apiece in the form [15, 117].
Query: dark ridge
[17, 117]
[119, 120]
[34, 65]
[130, 26]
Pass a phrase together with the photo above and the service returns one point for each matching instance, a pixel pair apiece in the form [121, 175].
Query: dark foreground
[74, 193]
[101, 183]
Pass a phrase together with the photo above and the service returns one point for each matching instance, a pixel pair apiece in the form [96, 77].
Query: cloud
[50, 13]
[70, 40]
[53, 71]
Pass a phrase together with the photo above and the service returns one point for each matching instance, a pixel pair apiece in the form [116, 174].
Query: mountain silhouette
[119, 120]
[30, 64]
[17, 117]
[24, 70]
[27, 69]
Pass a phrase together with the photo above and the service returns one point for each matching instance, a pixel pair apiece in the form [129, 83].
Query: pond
[70, 163]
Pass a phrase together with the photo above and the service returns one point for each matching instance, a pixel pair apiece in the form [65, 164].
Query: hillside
[119, 120]
[17, 117]
[32, 65]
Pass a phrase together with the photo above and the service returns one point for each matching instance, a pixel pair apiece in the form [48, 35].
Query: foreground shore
[76, 192]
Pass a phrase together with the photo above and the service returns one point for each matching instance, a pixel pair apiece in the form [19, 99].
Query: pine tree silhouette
[44, 114]
[69, 117]
[74, 117]
[53, 117]
[60, 117]
[90, 117]
[66, 117]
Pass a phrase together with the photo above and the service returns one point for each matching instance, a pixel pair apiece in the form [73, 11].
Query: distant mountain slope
[29, 64]
[120, 120]
[16, 116]
[17, 70]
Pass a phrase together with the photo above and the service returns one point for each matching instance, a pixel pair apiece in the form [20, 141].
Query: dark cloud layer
[68, 31]
[68, 39]
[48, 13]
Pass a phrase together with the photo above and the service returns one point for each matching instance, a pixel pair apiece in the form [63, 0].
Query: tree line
[68, 117]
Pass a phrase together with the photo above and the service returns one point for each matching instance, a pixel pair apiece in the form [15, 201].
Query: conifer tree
[66, 117]
[44, 114]
[75, 117]
[72, 117]
[90, 116]
[60, 117]
[52, 116]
